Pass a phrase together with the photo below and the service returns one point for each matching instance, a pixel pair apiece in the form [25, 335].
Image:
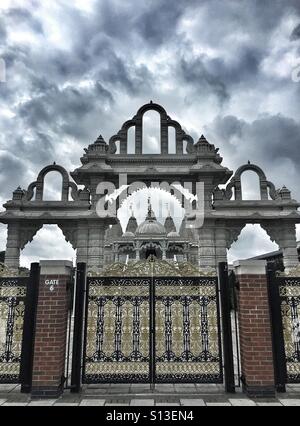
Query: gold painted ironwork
[152, 267]
[186, 335]
[289, 291]
[12, 308]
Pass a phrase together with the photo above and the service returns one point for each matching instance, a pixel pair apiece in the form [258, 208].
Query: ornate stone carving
[70, 233]
[27, 233]
[233, 235]
[264, 184]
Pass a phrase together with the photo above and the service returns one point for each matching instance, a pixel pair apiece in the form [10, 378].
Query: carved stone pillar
[221, 245]
[164, 250]
[116, 254]
[289, 247]
[207, 254]
[95, 252]
[284, 234]
[12, 252]
[82, 243]
[137, 251]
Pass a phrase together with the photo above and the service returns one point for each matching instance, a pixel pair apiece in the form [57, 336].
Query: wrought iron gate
[284, 298]
[12, 308]
[152, 329]
[289, 292]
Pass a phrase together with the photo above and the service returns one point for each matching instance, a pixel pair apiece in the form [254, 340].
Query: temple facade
[150, 238]
[88, 216]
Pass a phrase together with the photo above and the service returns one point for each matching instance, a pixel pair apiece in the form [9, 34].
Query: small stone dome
[151, 225]
[128, 234]
[173, 234]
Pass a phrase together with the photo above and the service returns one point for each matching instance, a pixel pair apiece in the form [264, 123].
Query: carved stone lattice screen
[289, 290]
[12, 307]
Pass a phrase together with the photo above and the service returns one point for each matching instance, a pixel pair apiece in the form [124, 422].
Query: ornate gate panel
[12, 307]
[117, 340]
[153, 329]
[187, 330]
[289, 291]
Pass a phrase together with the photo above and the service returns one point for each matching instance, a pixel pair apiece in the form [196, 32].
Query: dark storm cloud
[196, 74]
[86, 71]
[296, 33]
[267, 141]
[157, 23]
[20, 16]
[13, 170]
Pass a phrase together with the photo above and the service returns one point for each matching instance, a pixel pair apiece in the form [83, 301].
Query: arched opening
[172, 140]
[250, 185]
[117, 147]
[131, 140]
[52, 186]
[162, 203]
[151, 133]
[48, 243]
[253, 241]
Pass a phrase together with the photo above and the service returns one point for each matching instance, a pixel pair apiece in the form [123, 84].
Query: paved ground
[143, 395]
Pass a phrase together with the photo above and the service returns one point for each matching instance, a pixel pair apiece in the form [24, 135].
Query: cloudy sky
[228, 69]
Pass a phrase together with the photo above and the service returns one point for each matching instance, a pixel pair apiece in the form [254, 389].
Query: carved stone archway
[84, 225]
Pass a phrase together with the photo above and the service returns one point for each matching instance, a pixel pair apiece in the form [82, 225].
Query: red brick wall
[50, 336]
[255, 332]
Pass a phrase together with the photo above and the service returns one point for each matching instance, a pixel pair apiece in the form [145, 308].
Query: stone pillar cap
[250, 267]
[56, 267]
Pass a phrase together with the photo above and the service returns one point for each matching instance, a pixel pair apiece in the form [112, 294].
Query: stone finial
[99, 149]
[285, 193]
[205, 149]
[18, 194]
[84, 195]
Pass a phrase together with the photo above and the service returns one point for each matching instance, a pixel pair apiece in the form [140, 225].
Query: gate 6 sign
[51, 284]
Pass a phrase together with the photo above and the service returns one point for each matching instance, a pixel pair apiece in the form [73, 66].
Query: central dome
[151, 225]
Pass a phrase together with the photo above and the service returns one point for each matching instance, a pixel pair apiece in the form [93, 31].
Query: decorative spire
[100, 140]
[132, 223]
[18, 194]
[206, 150]
[151, 214]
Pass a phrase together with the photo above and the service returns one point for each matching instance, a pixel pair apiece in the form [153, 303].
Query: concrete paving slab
[192, 402]
[141, 402]
[269, 404]
[42, 403]
[221, 404]
[290, 402]
[92, 402]
[241, 402]
[15, 404]
[167, 404]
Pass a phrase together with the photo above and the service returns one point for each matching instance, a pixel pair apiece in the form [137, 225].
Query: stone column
[284, 234]
[221, 245]
[255, 329]
[51, 329]
[164, 250]
[207, 254]
[96, 232]
[82, 243]
[12, 252]
[288, 245]
[137, 251]
[116, 254]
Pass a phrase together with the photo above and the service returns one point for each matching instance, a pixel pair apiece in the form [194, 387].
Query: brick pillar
[255, 329]
[51, 329]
